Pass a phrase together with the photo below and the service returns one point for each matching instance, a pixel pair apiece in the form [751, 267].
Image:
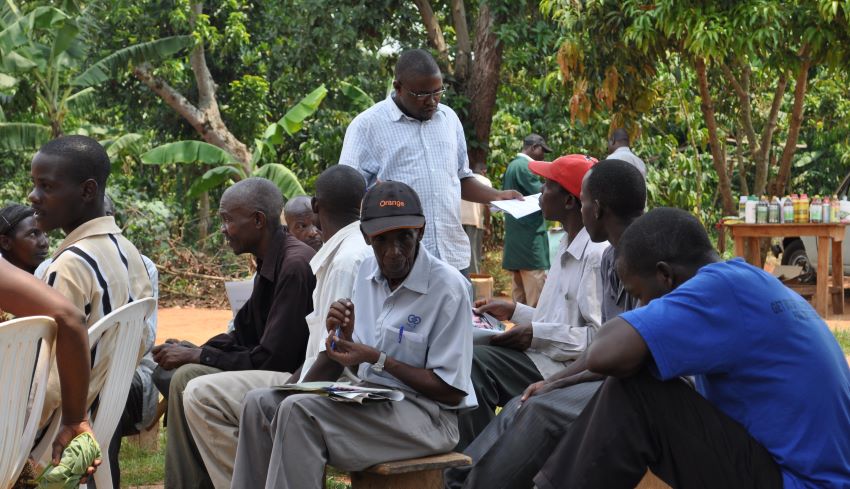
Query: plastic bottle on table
[742, 207]
[761, 210]
[845, 209]
[750, 210]
[788, 209]
[836, 209]
[802, 214]
[816, 210]
[774, 210]
[826, 210]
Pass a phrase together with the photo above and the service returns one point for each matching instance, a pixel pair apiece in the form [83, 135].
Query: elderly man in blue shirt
[411, 137]
[412, 333]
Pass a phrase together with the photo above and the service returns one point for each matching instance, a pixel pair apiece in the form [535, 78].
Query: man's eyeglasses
[426, 95]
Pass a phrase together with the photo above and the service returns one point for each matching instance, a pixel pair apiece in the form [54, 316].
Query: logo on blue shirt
[413, 320]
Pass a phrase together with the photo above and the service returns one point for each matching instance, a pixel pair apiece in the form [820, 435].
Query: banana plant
[45, 46]
[226, 168]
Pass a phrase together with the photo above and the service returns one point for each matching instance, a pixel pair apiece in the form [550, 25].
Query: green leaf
[283, 177]
[361, 99]
[7, 82]
[111, 65]
[293, 120]
[127, 143]
[213, 178]
[46, 17]
[273, 134]
[19, 136]
[64, 38]
[85, 99]
[188, 152]
[15, 63]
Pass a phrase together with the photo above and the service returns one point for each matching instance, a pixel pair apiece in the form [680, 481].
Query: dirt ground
[191, 324]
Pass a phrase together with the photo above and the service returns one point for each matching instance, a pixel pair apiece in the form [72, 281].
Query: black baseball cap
[388, 206]
[536, 140]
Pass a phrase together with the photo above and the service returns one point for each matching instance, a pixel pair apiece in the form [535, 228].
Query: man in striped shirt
[410, 137]
[95, 267]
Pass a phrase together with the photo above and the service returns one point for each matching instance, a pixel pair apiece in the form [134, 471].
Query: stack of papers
[519, 208]
[344, 392]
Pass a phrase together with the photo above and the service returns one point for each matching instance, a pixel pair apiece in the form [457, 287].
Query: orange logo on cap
[394, 203]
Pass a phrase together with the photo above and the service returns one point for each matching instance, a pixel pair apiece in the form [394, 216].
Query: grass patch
[144, 467]
[843, 338]
[140, 466]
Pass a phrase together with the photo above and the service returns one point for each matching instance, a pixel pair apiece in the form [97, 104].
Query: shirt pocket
[408, 347]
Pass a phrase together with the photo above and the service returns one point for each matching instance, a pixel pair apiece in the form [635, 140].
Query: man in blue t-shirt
[772, 404]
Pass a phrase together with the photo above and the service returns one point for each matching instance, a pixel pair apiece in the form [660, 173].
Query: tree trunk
[777, 187]
[707, 106]
[205, 118]
[483, 84]
[204, 216]
[463, 54]
[432, 28]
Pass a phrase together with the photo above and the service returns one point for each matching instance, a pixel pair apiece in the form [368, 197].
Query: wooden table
[829, 236]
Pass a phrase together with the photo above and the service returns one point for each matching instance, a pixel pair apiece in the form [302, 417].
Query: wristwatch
[378, 366]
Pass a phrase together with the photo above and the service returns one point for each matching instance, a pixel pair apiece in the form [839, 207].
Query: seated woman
[22, 242]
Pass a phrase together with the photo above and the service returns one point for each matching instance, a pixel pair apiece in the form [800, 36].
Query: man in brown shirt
[270, 330]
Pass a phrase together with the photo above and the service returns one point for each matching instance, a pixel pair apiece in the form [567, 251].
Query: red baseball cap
[567, 170]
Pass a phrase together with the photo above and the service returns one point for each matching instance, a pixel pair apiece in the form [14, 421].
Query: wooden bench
[427, 473]
[650, 481]
[414, 473]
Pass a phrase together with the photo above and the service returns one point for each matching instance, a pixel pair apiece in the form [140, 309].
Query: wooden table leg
[821, 292]
[739, 247]
[755, 252]
[837, 278]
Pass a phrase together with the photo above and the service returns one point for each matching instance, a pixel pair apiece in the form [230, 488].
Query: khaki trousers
[184, 468]
[213, 404]
[527, 285]
[286, 440]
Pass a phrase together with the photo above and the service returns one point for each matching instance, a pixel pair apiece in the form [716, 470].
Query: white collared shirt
[569, 310]
[425, 323]
[430, 156]
[335, 266]
[623, 153]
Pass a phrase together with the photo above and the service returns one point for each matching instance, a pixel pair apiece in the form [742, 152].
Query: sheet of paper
[238, 294]
[519, 208]
[345, 392]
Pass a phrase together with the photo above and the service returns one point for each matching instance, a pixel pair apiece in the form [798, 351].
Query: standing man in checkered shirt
[411, 137]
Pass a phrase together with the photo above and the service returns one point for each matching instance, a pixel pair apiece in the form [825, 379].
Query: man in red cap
[548, 337]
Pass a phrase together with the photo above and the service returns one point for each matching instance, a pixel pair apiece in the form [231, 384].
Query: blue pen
[400, 333]
[336, 334]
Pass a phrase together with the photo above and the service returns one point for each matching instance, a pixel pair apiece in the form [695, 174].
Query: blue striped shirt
[430, 156]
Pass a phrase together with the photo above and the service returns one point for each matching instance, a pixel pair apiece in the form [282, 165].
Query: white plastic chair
[118, 337]
[24, 366]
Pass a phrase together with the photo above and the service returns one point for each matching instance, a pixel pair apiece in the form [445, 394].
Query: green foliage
[19, 136]
[117, 62]
[214, 178]
[283, 177]
[187, 152]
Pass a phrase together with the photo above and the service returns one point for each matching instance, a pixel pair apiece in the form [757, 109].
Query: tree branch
[463, 57]
[742, 91]
[790, 148]
[773, 117]
[172, 97]
[206, 85]
[717, 155]
[432, 27]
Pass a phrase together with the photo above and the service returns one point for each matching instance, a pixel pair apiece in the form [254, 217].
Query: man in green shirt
[526, 253]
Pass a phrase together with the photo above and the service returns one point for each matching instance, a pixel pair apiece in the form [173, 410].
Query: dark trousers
[498, 375]
[636, 423]
[126, 426]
